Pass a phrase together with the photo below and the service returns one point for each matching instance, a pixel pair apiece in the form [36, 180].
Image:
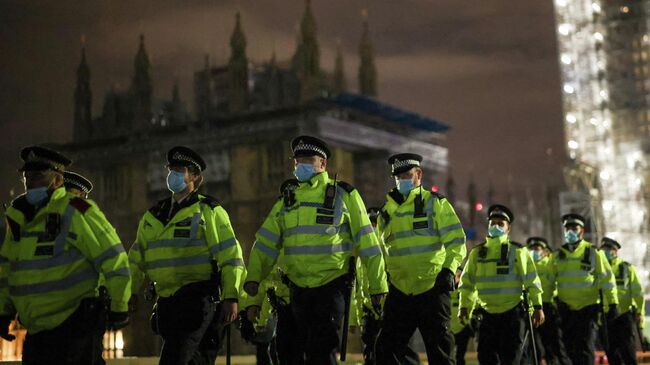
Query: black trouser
[461, 340]
[78, 340]
[579, 330]
[501, 337]
[370, 327]
[622, 340]
[188, 325]
[403, 314]
[263, 353]
[319, 312]
[288, 343]
[551, 336]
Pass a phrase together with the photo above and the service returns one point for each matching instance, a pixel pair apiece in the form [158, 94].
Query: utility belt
[339, 282]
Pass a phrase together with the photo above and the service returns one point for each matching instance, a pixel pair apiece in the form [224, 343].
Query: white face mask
[496, 231]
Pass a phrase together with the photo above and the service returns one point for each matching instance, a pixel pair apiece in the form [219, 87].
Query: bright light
[595, 7]
[625, 9]
[593, 121]
[573, 144]
[603, 94]
[598, 36]
[119, 340]
[568, 89]
[434, 188]
[479, 207]
[571, 118]
[604, 175]
[566, 59]
[607, 123]
[564, 29]
[561, 3]
[600, 65]
[608, 205]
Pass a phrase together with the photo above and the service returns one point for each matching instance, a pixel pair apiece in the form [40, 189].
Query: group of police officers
[319, 259]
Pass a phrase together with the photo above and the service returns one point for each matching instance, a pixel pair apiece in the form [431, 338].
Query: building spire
[307, 56]
[367, 69]
[340, 84]
[141, 87]
[238, 69]
[82, 99]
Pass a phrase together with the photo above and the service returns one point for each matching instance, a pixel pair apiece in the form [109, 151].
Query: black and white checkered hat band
[309, 147]
[398, 164]
[76, 184]
[574, 221]
[180, 157]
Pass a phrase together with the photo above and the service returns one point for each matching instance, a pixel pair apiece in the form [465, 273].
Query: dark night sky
[486, 67]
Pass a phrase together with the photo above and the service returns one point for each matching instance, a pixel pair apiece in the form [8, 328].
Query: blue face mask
[571, 236]
[176, 181]
[608, 254]
[36, 196]
[304, 171]
[404, 186]
[536, 255]
[496, 231]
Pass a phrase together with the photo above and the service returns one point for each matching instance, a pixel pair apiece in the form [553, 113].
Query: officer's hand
[538, 317]
[445, 280]
[463, 315]
[117, 320]
[251, 288]
[253, 313]
[228, 310]
[133, 303]
[5, 322]
[612, 313]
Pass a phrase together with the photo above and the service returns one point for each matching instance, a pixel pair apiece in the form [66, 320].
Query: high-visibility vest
[628, 287]
[498, 271]
[182, 249]
[545, 273]
[423, 235]
[318, 228]
[51, 259]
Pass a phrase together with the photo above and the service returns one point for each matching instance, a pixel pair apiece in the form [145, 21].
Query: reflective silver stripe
[370, 251]
[108, 254]
[119, 272]
[456, 241]
[31, 234]
[537, 285]
[318, 249]
[404, 251]
[512, 251]
[404, 214]
[233, 262]
[315, 230]
[271, 252]
[175, 242]
[530, 276]
[223, 245]
[194, 227]
[635, 287]
[572, 274]
[50, 286]
[268, 235]
[178, 261]
[66, 258]
[311, 204]
[59, 243]
[363, 231]
[444, 230]
[490, 291]
[607, 286]
[570, 285]
[338, 205]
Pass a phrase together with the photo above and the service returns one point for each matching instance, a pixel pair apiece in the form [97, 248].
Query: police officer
[56, 246]
[317, 226]
[462, 332]
[186, 246]
[579, 272]
[622, 340]
[77, 184]
[426, 244]
[498, 270]
[550, 334]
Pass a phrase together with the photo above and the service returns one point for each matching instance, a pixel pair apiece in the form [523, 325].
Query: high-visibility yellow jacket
[317, 242]
[545, 273]
[580, 274]
[52, 257]
[179, 250]
[423, 235]
[628, 287]
[498, 271]
[273, 280]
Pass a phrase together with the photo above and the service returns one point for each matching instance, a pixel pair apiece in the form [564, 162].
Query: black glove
[246, 327]
[5, 322]
[117, 320]
[612, 314]
[445, 280]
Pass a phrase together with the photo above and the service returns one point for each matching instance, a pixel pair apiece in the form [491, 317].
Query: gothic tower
[367, 69]
[340, 84]
[83, 100]
[238, 70]
[141, 88]
[307, 57]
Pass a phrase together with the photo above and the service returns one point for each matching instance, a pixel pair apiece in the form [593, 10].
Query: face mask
[536, 255]
[176, 181]
[571, 236]
[608, 254]
[304, 171]
[496, 231]
[404, 186]
[36, 196]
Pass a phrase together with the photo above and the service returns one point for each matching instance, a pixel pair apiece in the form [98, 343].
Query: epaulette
[345, 186]
[516, 244]
[482, 249]
[80, 204]
[210, 201]
[159, 209]
[396, 195]
[438, 195]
